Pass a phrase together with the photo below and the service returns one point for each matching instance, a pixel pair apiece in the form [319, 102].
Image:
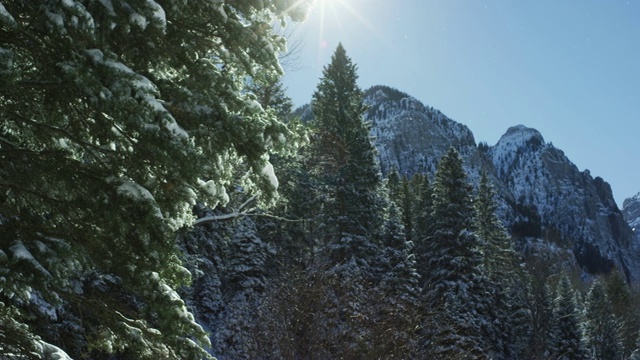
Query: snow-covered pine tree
[393, 186]
[540, 307]
[457, 320]
[567, 340]
[116, 117]
[348, 219]
[510, 315]
[243, 287]
[407, 205]
[395, 302]
[624, 308]
[422, 222]
[401, 194]
[601, 328]
[344, 159]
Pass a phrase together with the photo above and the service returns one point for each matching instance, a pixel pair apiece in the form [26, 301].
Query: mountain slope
[545, 200]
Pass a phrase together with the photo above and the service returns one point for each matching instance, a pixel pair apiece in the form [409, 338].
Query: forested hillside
[159, 201]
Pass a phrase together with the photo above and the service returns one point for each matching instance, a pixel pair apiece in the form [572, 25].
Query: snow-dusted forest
[159, 199]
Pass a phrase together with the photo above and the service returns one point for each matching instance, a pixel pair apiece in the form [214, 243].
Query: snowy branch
[232, 215]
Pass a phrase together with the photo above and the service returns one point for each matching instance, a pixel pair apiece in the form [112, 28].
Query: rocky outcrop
[631, 213]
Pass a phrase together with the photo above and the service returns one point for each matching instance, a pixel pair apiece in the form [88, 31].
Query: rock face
[545, 200]
[552, 200]
[410, 136]
[631, 213]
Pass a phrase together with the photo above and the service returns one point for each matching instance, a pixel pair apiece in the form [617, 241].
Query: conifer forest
[161, 199]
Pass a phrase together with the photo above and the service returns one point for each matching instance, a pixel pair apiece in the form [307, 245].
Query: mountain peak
[520, 134]
[631, 213]
[629, 201]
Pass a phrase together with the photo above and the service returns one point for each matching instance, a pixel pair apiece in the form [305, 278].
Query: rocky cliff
[546, 201]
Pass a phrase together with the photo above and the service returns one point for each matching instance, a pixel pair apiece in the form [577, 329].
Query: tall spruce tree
[540, 307]
[401, 194]
[567, 341]
[601, 328]
[512, 318]
[345, 161]
[422, 222]
[116, 117]
[457, 323]
[624, 308]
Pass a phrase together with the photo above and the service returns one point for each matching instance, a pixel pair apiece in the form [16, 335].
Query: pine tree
[357, 266]
[116, 117]
[395, 301]
[394, 187]
[457, 323]
[541, 310]
[345, 162]
[624, 308]
[408, 206]
[401, 194]
[567, 339]
[503, 269]
[601, 328]
[422, 222]
[244, 286]
[500, 259]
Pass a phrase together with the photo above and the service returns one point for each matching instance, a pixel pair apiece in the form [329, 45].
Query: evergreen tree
[345, 161]
[422, 222]
[407, 205]
[244, 286]
[501, 263]
[271, 94]
[395, 301]
[541, 310]
[624, 308]
[601, 328]
[394, 187]
[567, 336]
[116, 117]
[453, 251]
[500, 260]
[457, 323]
[401, 194]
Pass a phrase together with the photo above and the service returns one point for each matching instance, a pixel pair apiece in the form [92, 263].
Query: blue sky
[569, 68]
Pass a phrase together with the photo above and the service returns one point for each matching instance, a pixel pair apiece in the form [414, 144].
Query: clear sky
[569, 68]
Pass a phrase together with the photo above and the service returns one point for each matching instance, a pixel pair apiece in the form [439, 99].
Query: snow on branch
[232, 215]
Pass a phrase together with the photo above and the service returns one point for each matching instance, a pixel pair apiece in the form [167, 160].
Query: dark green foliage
[625, 307]
[117, 117]
[458, 293]
[601, 328]
[567, 340]
[540, 306]
[344, 160]
[511, 317]
[453, 251]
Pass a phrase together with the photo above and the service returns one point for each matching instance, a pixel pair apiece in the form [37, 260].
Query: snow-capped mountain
[545, 200]
[410, 136]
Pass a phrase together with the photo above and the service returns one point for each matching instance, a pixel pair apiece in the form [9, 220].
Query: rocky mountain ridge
[547, 203]
[631, 213]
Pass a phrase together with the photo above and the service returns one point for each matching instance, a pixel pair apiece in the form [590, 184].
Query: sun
[343, 15]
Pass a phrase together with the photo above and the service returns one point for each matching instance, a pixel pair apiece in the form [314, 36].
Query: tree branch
[232, 215]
